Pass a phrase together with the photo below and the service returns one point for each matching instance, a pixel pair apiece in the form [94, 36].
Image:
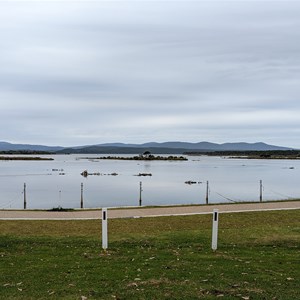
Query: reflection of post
[260, 191]
[24, 192]
[104, 229]
[81, 198]
[141, 189]
[214, 244]
[207, 191]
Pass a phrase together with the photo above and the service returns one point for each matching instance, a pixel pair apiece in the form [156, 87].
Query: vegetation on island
[145, 156]
[24, 158]
[277, 154]
[11, 154]
[86, 173]
[25, 152]
[153, 258]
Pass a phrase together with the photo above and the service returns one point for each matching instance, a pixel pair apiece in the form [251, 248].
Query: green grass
[153, 258]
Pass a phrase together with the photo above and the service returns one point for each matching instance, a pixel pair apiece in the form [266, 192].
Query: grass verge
[153, 258]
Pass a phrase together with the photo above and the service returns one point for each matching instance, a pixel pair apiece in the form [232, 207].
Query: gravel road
[145, 212]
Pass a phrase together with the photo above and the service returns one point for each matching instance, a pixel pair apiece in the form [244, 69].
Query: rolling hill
[153, 147]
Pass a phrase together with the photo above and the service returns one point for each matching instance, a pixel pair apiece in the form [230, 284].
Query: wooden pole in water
[24, 192]
[81, 197]
[260, 191]
[207, 191]
[141, 189]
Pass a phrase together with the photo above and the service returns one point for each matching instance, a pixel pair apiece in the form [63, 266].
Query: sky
[91, 72]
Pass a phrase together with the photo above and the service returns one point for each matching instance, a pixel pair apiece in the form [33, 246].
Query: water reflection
[58, 182]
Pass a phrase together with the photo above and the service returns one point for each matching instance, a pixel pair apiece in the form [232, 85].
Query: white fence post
[104, 229]
[214, 244]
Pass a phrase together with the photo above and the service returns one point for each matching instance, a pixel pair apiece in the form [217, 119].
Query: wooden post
[214, 243]
[104, 229]
[207, 191]
[81, 197]
[24, 192]
[260, 191]
[141, 189]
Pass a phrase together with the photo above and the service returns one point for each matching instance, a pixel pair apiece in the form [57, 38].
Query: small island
[274, 154]
[24, 158]
[86, 173]
[26, 152]
[145, 156]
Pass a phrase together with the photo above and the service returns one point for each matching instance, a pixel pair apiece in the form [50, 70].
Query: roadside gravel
[145, 212]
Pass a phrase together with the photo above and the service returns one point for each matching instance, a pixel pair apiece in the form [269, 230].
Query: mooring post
[81, 197]
[104, 229]
[207, 191]
[214, 244]
[260, 191]
[24, 192]
[141, 189]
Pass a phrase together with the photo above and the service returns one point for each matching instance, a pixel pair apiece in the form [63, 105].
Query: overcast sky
[77, 73]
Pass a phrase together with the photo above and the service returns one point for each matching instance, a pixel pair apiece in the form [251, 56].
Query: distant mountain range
[4, 146]
[153, 147]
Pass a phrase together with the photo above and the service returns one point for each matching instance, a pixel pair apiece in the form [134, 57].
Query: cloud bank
[92, 72]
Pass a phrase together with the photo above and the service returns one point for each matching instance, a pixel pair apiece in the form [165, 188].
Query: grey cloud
[130, 70]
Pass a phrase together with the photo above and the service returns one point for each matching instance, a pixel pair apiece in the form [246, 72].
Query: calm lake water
[229, 180]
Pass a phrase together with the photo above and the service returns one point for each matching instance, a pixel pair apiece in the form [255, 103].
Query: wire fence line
[214, 193]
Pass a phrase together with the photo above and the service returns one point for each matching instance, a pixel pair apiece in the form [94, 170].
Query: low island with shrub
[145, 156]
[24, 158]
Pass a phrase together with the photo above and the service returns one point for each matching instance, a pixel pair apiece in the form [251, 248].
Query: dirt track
[145, 212]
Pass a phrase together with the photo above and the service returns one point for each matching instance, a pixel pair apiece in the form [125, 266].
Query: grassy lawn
[153, 258]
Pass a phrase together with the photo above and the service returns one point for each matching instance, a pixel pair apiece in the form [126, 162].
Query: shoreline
[140, 212]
